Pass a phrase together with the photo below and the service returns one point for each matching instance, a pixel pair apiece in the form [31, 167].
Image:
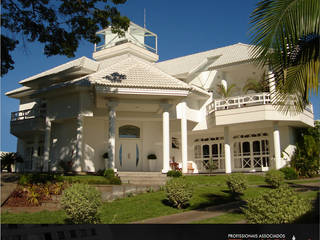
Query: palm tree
[8, 159]
[286, 36]
[257, 86]
[225, 92]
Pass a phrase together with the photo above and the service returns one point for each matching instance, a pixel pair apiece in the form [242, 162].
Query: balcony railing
[27, 114]
[239, 102]
[244, 101]
[309, 108]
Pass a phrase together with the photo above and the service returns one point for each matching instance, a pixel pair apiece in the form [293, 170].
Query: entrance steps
[143, 178]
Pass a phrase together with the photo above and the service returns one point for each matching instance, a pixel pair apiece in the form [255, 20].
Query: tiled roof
[133, 72]
[83, 62]
[226, 55]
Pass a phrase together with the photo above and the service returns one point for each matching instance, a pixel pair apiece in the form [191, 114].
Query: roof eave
[19, 92]
[82, 66]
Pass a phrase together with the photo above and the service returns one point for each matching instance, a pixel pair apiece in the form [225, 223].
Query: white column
[184, 139]
[47, 143]
[166, 137]
[276, 145]
[227, 150]
[112, 134]
[79, 161]
[35, 155]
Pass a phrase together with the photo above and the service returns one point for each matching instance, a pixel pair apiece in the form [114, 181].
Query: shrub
[289, 173]
[115, 180]
[237, 183]
[211, 165]
[65, 166]
[92, 179]
[174, 173]
[306, 158]
[81, 203]
[178, 192]
[57, 188]
[274, 178]
[33, 178]
[24, 179]
[100, 172]
[108, 173]
[281, 205]
[111, 176]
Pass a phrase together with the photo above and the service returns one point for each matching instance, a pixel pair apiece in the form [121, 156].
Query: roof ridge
[215, 49]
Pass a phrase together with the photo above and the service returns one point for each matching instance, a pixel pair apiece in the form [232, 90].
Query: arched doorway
[129, 149]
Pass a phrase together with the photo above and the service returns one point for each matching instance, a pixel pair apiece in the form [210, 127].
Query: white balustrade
[239, 102]
[27, 114]
[244, 101]
[309, 108]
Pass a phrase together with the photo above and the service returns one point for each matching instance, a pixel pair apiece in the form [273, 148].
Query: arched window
[129, 131]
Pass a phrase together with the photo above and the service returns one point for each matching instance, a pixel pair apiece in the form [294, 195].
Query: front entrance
[129, 152]
[129, 155]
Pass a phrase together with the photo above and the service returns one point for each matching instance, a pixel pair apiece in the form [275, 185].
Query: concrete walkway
[195, 215]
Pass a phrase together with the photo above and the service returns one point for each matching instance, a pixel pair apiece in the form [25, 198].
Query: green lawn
[88, 179]
[43, 217]
[208, 191]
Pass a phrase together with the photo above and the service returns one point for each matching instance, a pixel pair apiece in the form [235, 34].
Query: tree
[257, 86]
[286, 36]
[59, 25]
[306, 158]
[9, 159]
[225, 92]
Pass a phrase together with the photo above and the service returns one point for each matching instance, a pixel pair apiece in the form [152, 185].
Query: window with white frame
[209, 149]
[251, 151]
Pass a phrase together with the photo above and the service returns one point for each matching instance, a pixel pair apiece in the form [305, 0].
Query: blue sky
[183, 27]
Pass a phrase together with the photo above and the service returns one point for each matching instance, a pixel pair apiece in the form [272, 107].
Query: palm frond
[223, 92]
[285, 35]
[257, 86]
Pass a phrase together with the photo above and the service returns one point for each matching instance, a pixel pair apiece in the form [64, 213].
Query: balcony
[25, 122]
[244, 101]
[239, 102]
[252, 108]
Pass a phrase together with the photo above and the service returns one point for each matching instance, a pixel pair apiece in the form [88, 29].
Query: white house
[126, 103]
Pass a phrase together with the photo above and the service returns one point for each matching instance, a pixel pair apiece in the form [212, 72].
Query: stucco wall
[66, 106]
[237, 74]
[152, 143]
[240, 76]
[95, 142]
[63, 141]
